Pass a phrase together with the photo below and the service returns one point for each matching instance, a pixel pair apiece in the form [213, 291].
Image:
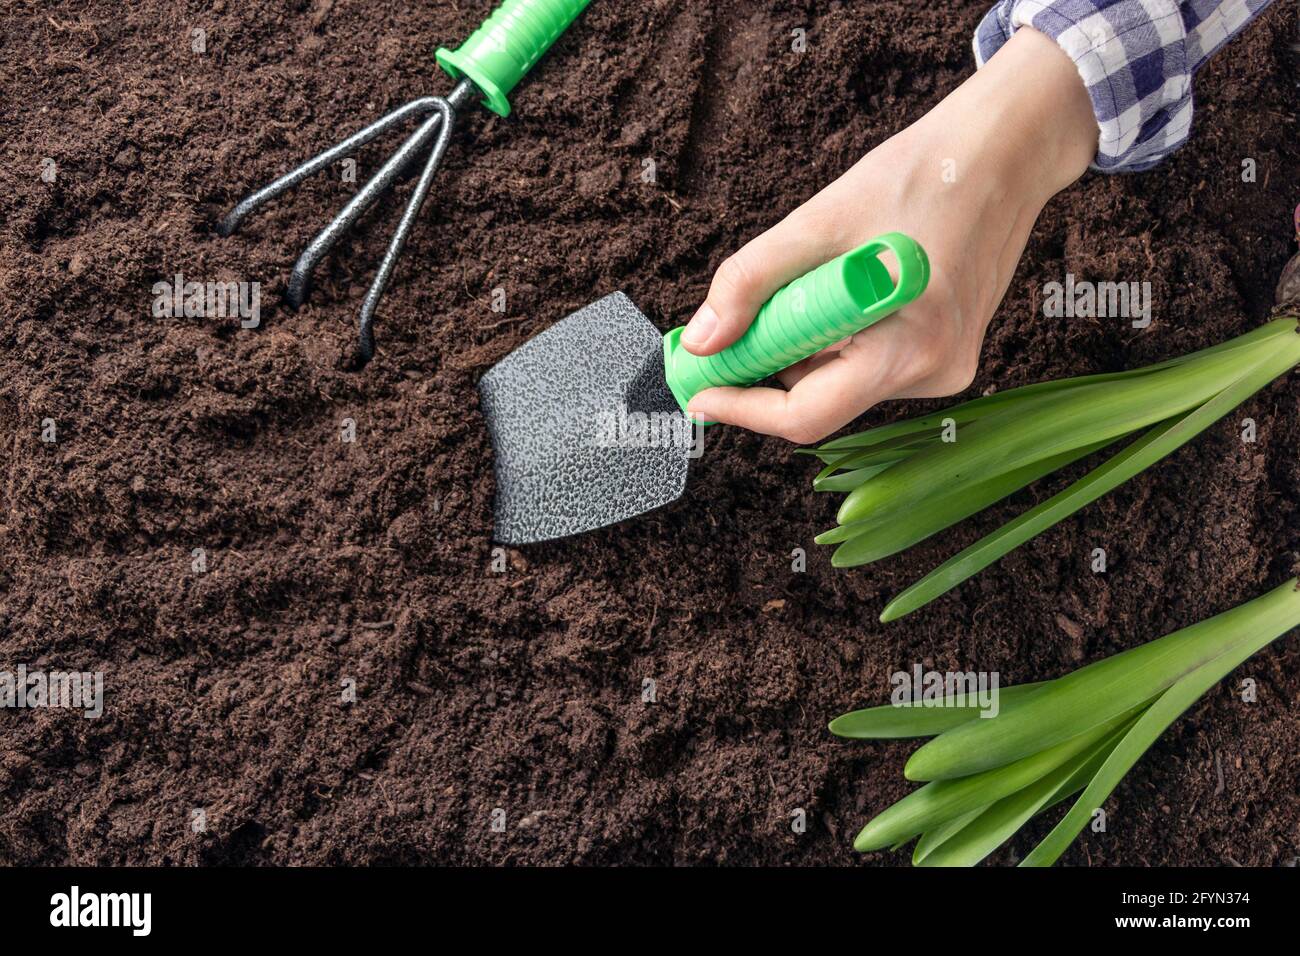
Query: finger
[772, 411]
[747, 279]
[763, 410]
[802, 415]
[838, 388]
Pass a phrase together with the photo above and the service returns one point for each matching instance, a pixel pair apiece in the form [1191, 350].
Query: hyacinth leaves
[985, 777]
[909, 480]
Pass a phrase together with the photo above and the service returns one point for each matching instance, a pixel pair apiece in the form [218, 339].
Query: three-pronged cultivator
[486, 66]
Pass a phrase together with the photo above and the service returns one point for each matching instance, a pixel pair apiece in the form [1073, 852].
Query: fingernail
[701, 326]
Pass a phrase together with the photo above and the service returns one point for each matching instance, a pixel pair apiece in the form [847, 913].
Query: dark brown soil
[372, 561]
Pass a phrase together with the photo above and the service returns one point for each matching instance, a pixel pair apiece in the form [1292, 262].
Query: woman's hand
[967, 182]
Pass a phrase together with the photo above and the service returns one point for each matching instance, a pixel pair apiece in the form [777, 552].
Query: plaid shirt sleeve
[1136, 57]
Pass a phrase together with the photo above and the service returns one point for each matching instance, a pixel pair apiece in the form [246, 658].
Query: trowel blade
[584, 431]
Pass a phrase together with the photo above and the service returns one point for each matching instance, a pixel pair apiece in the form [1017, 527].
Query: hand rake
[487, 65]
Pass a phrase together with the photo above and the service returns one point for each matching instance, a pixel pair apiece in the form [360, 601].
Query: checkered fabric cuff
[1136, 57]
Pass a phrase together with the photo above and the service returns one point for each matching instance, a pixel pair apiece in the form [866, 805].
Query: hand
[967, 182]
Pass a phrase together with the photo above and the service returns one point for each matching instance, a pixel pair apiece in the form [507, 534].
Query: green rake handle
[819, 308]
[505, 47]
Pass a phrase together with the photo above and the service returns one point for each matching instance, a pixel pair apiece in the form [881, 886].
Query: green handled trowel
[588, 419]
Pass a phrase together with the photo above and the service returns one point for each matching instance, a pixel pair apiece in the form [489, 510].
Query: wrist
[1028, 114]
[1056, 120]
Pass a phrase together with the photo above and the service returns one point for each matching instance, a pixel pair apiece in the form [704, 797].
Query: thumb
[749, 277]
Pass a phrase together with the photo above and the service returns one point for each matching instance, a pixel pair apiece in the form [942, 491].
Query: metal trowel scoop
[588, 419]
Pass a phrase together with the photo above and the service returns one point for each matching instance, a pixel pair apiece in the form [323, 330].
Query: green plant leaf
[995, 824]
[1141, 454]
[829, 480]
[1098, 692]
[874, 539]
[975, 408]
[1054, 425]
[893, 450]
[1148, 728]
[943, 800]
[898, 721]
[936, 836]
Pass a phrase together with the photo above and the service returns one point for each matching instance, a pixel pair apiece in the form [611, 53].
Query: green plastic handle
[817, 309]
[505, 47]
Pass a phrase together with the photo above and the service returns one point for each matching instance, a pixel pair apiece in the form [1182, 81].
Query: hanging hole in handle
[868, 278]
[908, 267]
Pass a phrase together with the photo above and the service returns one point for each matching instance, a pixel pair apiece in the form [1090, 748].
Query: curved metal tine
[394, 166]
[366, 344]
[293, 177]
